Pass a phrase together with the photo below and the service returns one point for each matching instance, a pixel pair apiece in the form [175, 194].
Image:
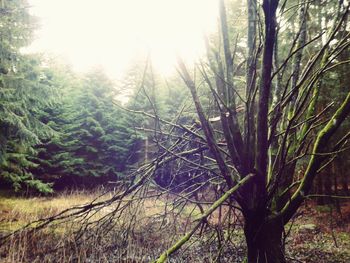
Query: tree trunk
[264, 241]
[319, 189]
[344, 182]
[327, 185]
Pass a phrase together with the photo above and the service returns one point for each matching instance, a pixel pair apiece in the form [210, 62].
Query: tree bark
[264, 241]
[250, 85]
[319, 189]
[269, 8]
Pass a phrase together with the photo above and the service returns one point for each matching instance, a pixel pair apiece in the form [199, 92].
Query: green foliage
[94, 138]
[24, 89]
[52, 123]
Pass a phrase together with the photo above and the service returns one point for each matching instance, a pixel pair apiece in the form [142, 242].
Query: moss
[323, 208]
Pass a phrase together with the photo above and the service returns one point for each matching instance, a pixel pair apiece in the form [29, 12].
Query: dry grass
[138, 235]
[142, 233]
[18, 211]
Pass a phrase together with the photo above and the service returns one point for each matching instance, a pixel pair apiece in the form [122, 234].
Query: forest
[239, 155]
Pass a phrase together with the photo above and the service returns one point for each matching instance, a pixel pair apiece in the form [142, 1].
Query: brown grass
[143, 232]
[143, 241]
[18, 211]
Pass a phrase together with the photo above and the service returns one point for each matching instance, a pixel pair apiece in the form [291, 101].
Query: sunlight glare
[115, 33]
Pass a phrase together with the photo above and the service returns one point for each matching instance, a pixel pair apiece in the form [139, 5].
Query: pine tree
[95, 143]
[24, 90]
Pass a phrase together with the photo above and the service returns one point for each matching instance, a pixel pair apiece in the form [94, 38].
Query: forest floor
[318, 234]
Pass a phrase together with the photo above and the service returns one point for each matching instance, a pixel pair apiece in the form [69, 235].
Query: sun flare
[115, 33]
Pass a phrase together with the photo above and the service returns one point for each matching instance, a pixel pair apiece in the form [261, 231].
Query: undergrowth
[313, 238]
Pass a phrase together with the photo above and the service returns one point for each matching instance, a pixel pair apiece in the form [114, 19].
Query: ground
[318, 234]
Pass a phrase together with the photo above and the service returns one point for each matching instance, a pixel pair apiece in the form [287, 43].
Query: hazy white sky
[113, 33]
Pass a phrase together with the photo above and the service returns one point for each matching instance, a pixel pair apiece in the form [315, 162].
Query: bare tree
[287, 127]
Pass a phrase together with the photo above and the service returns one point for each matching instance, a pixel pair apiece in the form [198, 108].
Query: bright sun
[115, 33]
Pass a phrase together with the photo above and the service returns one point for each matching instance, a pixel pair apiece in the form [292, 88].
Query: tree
[94, 141]
[286, 131]
[24, 90]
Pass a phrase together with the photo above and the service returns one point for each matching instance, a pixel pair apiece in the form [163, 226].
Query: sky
[113, 34]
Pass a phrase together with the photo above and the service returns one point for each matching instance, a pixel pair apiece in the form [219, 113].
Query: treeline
[59, 129]
[56, 128]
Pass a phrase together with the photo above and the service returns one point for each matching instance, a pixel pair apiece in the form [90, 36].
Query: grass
[58, 244]
[141, 234]
[16, 212]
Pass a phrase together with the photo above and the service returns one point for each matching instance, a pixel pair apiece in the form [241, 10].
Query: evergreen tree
[24, 90]
[95, 142]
